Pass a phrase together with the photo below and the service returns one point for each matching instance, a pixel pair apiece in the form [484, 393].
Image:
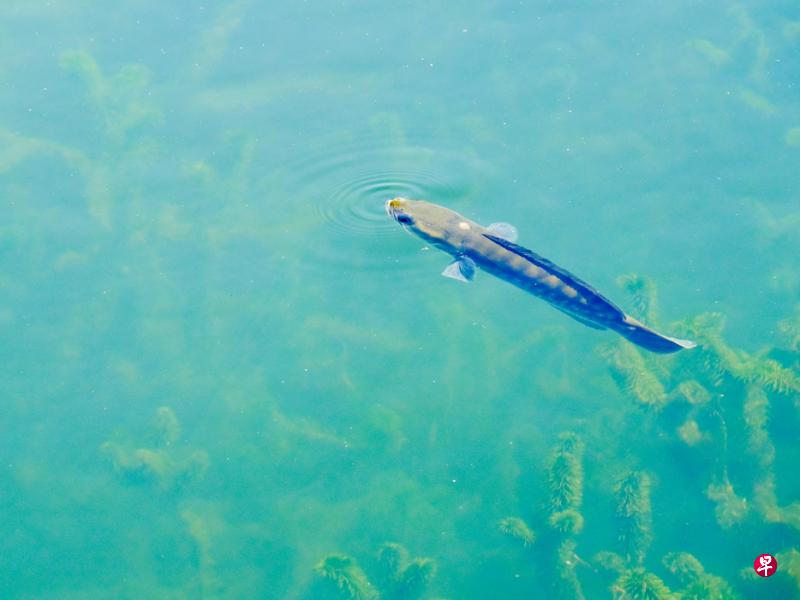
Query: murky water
[226, 373]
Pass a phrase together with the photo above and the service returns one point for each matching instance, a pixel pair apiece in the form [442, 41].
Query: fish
[493, 249]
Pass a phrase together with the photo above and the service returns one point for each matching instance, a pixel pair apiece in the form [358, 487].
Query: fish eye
[404, 219]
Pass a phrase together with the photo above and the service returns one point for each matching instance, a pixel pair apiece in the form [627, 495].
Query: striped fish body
[470, 243]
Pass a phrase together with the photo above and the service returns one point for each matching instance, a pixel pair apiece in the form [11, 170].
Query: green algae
[399, 578]
[633, 582]
[167, 466]
[639, 584]
[698, 584]
[635, 375]
[121, 99]
[568, 585]
[517, 529]
[160, 299]
[565, 474]
[730, 508]
[789, 565]
[348, 577]
[634, 515]
[690, 432]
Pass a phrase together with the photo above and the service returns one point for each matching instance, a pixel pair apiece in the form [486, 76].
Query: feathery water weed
[698, 584]
[634, 515]
[634, 375]
[516, 528]
[565, 473]
[633, 582]
[398, 577]
[639, 584]
[568, 585]
[123, 100]
[690, 432]
[789, 562]
[348, 576]
[730, 508]
[168, 466]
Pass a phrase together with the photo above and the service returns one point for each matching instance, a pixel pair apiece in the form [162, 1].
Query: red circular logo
[765, 565]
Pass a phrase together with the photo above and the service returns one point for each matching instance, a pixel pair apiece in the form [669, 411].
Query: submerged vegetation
[165, 463]
[211, 383]
[399, 577]
[720, 398]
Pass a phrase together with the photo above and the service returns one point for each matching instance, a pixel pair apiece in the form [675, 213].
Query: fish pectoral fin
[462, 269]
[582, 320]
[505, 231]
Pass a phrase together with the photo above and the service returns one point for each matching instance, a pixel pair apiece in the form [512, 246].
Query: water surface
[226, 374]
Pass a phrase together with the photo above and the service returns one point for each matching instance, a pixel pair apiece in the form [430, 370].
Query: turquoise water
[226, 373]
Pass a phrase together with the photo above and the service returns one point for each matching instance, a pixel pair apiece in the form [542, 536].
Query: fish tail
[643, 336]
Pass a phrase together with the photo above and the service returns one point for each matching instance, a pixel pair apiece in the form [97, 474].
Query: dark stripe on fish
[597, 306]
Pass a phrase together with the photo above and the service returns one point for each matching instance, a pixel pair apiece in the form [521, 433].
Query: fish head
[435, 224]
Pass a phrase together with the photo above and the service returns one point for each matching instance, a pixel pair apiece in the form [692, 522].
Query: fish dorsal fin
[591, 295]
[503, 230]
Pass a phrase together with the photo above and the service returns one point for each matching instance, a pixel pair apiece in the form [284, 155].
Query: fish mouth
[393, 206]
[396, 211]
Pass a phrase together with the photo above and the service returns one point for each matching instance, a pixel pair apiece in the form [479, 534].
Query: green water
[225, 373]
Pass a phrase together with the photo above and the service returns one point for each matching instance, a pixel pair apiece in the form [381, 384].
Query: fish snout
[396, 209]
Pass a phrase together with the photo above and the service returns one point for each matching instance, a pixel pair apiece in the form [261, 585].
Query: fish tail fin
[643, 336]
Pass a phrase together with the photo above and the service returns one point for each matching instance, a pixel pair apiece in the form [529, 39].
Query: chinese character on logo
[765, 565]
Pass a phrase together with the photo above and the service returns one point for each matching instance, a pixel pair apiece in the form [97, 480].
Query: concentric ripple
[339, 188]
[357, 206]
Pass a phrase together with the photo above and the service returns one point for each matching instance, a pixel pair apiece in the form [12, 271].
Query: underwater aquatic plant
[640, 584]
[399, 578]
[391, 558]
[565, 483]
[718, 359]
[766, 501]
[168, 466]
[567, 560]
[768, 373]
[611, 561]
[634, 375]
[565, 478]
[348, 576]
[200, 530]
[633, 583]
[413, 579]
[690, 432]
[517, 528]
[693, 392]
[565, 474]
[789, 561]
[122, 99]
[703, 362]
[685, 566]
[699, 585]
[634, 515]
[756, 407]
[730, 508]
[567, 521]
